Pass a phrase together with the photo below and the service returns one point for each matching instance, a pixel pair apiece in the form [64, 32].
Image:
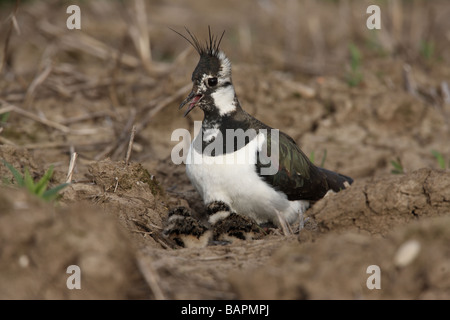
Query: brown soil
[64, 94]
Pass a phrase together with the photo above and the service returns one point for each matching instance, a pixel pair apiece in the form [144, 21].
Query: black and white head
[212, 89]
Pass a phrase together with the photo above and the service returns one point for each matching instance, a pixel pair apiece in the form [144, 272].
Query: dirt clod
[379, 113]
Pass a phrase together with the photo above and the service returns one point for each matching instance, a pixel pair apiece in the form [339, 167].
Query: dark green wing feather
[297, 176]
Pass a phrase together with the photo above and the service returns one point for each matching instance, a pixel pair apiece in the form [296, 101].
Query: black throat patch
[228, 133]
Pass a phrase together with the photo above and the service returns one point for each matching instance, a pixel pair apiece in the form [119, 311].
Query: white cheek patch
[225, 64]
[224, 100]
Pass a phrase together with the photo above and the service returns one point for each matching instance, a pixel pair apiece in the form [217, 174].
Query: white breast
[232, 178]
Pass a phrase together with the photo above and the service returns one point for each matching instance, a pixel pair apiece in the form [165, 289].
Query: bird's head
[212, 89]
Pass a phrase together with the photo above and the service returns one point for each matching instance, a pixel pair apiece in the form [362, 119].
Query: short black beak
[188, 98]
[192, 99]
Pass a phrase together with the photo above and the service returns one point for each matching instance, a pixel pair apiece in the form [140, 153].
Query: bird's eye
[212, 82]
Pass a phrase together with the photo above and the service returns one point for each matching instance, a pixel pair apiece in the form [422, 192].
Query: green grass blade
[16, 174]
[4, 117]
[355, 57]
[439, 157]
[427, 49]
[355, 76]
[397, 165]
[311, 157]
[398, 168]
[53, 192]
[41, 186]
[28, 181]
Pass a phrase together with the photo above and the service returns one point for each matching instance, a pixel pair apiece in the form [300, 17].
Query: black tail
[336, 180]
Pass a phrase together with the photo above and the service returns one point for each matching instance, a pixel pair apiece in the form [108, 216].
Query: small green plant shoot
[398, 167]
[37, 188]
[324, 157]
[354, 77]
[440, 159]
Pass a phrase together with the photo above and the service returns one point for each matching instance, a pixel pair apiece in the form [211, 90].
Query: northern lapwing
[229, 186]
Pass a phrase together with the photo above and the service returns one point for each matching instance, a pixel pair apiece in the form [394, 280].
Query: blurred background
[366, 103]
